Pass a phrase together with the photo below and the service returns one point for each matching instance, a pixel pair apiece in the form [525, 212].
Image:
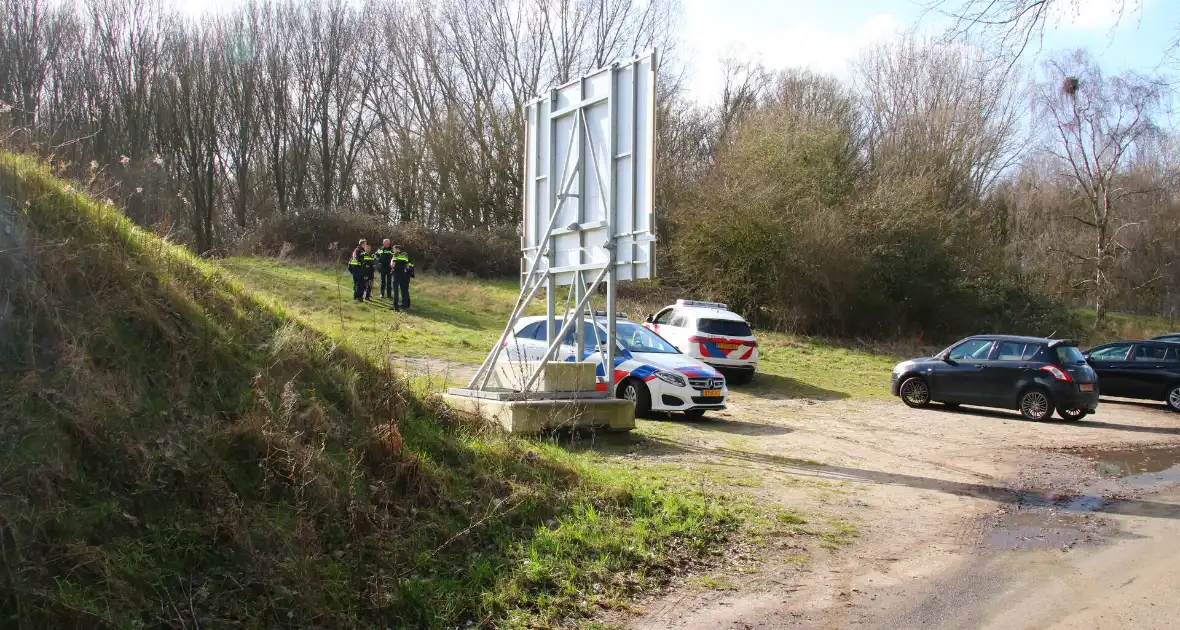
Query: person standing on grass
[385, 268]
[403, 270]
[370, 272]
[356, 266]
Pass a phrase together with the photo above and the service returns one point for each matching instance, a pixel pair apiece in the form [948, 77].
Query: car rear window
[724, 328]
[1070, 355]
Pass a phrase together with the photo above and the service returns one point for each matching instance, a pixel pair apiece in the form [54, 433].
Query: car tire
[1035, 405]
[1072, 415]
[914, 392]
[694, 414]
[636, 391]
[1173, 398]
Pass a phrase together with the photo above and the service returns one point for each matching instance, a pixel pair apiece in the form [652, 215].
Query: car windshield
[636, 338]
[1070, 355]
[724, 328]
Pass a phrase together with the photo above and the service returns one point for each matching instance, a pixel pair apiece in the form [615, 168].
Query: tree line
[410, 110]
[937, 188]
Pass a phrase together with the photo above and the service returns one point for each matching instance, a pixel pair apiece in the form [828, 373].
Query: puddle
[1127, 462]
[1047, 528]
[1140, 468]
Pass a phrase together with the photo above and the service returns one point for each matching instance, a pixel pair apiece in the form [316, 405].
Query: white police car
[648, 370]
[710, 332]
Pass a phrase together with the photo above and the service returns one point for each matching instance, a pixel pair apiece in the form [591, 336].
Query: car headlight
[671, 377]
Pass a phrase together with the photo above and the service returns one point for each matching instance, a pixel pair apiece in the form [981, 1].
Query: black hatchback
[1031, 374]
[1147, 370]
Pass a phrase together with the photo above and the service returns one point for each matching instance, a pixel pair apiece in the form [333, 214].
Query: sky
[825, 35]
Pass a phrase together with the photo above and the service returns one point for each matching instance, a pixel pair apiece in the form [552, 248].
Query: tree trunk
[1100, 286]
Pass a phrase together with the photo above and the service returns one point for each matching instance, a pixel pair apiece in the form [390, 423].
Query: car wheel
[914, 392]
[1073, 415]
[636, 391]
[1035, 405]
[1174, 397]
[694, 414]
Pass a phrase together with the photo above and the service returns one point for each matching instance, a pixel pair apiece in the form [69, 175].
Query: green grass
[177, 451]
[1119, 327]
[460, 319]
[801, 367]
[456, 319]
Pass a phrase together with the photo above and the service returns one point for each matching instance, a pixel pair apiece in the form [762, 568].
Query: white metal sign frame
[589, 187]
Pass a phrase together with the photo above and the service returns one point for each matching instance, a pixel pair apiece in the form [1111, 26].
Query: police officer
[356, 266]
[370, 263]
[403, 270]
[385, 268]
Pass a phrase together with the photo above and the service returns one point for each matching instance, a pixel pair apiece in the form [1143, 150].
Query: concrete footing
[534, 416]
[566, 399]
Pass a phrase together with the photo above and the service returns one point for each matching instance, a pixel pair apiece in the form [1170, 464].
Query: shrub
[321, 235]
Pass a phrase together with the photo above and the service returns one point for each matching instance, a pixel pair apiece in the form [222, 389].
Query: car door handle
[980, 367]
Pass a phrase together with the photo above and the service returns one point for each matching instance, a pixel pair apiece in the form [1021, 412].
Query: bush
[320, 235]
[789, 230]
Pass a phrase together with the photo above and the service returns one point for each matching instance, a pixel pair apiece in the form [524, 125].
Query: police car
[710, 332]
[648, 370]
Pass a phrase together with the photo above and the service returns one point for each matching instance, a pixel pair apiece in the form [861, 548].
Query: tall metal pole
[551, 255]
[608, 363]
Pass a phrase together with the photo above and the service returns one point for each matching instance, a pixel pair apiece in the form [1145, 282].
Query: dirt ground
[965, 518]
[961, 518]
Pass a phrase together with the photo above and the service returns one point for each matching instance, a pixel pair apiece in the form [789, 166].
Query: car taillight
[1057, 373]
[695, 339]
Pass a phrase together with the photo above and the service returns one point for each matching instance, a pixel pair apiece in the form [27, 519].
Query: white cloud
[801, 44]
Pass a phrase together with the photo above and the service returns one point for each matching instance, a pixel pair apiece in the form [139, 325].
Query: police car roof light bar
[702, 304]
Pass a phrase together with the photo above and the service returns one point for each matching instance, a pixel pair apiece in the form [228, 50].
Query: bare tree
[945, 111]
[1095, 126]
[1013, 25]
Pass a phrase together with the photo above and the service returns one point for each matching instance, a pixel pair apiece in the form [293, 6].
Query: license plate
[711, 392]
[1086, 387]
[729, 346]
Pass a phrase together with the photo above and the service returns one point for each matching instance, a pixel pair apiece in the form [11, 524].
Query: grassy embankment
[175, 452]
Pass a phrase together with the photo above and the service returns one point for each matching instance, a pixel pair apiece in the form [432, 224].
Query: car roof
[1128, 341]
[709, 312]
[1161, 337]
[1019, 339]
[524, 321]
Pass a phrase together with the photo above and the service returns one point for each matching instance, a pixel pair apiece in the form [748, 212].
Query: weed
[713, 583]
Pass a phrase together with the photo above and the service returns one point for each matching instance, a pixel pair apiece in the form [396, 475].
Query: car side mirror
[650, 319]
[946, 358]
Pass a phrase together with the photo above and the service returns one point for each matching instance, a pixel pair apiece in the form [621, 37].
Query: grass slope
[176, 453]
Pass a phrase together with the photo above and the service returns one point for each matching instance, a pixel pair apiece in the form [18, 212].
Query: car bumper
[685, 399]
[1069, 396]
[732, 365]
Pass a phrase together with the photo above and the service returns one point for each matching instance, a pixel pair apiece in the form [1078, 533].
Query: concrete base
[533, 416]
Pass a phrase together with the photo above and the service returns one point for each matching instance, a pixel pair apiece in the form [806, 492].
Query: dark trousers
[386, 284]
[359, 280]
[401, 283]
[369, 286]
